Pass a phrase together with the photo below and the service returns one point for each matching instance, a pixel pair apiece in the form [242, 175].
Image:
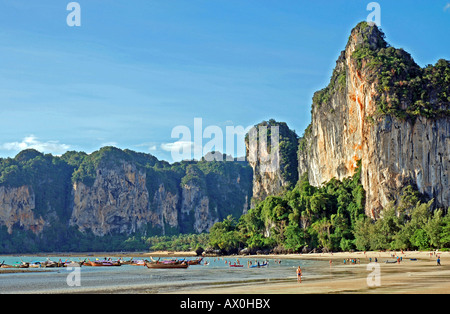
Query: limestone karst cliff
[113, 191]
[117, 202]
[272, 154]
[381, 108]
[17, 207]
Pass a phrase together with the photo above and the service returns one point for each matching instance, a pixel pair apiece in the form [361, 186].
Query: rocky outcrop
[371, 112]
[118, 201]
[119, 192]
[207, 192]
[272, 154]
[406, 153]
[195, 204]
[17, 206]
[165, 208]
[126, 197]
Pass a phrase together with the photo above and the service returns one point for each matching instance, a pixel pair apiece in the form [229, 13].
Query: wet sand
[417, 277]
[420, 276]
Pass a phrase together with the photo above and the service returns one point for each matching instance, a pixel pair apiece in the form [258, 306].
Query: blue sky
[134, 70]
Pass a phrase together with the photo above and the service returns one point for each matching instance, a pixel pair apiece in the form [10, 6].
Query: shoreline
[421, 275]
[333, 255]
[109, 254]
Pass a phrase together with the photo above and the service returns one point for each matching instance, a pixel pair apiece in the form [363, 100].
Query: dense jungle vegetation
[331, 218]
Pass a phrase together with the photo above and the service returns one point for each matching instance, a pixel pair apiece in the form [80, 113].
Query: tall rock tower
[273, 158]
[380, 107]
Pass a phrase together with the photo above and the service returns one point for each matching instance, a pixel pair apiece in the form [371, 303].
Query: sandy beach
[417, 273]
[421, 276]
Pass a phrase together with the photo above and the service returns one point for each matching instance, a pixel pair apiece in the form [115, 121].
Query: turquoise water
[140, 279]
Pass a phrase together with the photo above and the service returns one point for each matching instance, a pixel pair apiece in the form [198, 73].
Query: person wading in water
[299, 275]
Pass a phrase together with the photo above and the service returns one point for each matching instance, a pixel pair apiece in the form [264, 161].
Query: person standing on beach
[299, 275]
[438, 261]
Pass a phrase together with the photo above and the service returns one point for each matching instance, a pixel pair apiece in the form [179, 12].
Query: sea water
[140, 279]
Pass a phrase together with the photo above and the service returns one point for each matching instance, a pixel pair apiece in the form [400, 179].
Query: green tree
[322, 230]
[445, 231]
[420, 239]
[225, 236]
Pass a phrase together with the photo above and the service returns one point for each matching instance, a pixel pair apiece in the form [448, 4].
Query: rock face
[273, 158]
[126, 198]
[206, 193]
[371, 112]
[115, 191]
[408, 153]
[118, 202]
[16, 208]
[195, 203]
[165, 208]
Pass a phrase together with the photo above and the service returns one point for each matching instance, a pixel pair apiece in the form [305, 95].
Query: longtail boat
[124, 262]
[137, 263]
[50, 263]
[102, 263]
[236, 265]
[196, 261]
[35, 264]
[94, 263]
[112, 263]
[259, 265]
[18, 265]
[73, 264]
[171, 261]
[158, 264]
[132, 262]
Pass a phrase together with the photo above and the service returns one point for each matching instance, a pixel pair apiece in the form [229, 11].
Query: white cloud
[183, 150]
[31, 141]
[177, 146]
[447, 6]
[150, 146]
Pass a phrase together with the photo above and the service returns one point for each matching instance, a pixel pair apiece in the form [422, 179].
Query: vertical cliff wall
[117, 202]
[17, 208]
[272, 158]
[123, 194]
[383, 109]
[113, 191]
[34, 191]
